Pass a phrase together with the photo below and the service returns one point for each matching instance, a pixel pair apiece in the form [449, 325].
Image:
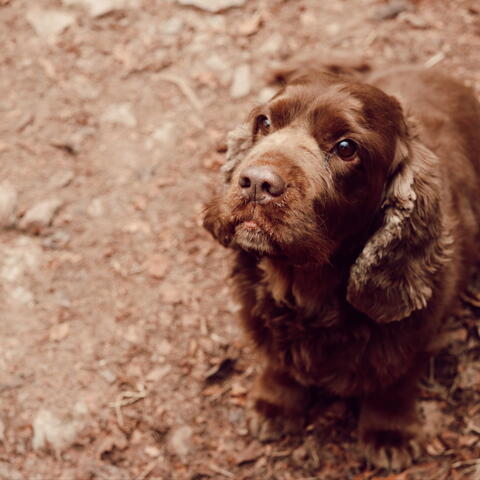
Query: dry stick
[187, 91]
[147, 471]
[221, 471]
[437, 58]
[125, 399]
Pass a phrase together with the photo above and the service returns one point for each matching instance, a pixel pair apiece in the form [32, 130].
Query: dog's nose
[261, 183]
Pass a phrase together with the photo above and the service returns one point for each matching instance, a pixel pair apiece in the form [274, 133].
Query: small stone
[213, 6]
[48, 24]
[40, 216]
[165, 134]
[8, 204]
[241, 83]
[108, 375]
[8, 472]
[49, 430]
[180, 442]
[61, 179]
[156, 266]
[97, 8]
[250, 26]
[21, 295]
[390, 10]
[152, 451]
[121, 114]
[96, 208]
[158, 373]
[59, 332]
[164, 347]
[172, 26]
[272, 45]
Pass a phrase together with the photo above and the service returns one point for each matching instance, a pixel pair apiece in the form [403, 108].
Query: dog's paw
[390, 449]
[274, 425]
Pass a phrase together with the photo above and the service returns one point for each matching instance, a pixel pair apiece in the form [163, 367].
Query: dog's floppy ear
[395, 273]
[239, 141]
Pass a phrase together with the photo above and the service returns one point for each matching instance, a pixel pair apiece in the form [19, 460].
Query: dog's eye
[262, 124]
[346, 149]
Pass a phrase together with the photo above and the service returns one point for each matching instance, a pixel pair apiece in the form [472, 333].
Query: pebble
[166, 133]
[61, 179]
[8, 204]
[213, 6]
[97, 8]
[40, 215]
[158, 373]
[108, 375]
[272, 45]
[180, 442]
[8, 472]
[241, 83]
[173, 26]
[156, 265]
[390, 10]
[48, 24]
[121, 114]
[49, 430]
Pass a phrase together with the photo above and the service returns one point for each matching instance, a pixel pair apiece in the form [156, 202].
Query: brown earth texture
[120, 354]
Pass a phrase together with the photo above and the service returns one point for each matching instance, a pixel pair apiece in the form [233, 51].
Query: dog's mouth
[253, 236]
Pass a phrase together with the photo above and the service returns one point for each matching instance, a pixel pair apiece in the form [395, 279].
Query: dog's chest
[311, 331]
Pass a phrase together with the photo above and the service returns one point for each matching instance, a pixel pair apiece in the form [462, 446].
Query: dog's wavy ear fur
[239, 141]
[395, 273]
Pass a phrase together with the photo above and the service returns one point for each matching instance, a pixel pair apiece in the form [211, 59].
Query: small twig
[432, 61]
[221, 471]
[184, 88]
[147, 471]
[189, 94]
[125, 399]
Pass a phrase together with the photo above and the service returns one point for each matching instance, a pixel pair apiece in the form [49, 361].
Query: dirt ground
[120, 356]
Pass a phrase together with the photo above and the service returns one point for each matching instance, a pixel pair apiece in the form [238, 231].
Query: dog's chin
[251, 237]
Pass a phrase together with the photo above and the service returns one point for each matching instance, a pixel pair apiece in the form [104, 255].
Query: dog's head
[329, 165]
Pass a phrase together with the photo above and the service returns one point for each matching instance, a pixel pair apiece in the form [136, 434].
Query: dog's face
[311, 172]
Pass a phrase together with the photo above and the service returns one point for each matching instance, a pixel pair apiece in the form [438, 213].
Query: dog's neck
[309, 287]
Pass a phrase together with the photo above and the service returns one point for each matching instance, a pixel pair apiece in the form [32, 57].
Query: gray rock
[40, 215]
[213, 6]
[241, 83]
[120, 114]
[180, 442]
[97, 8]
[8, 204]
[48, 24]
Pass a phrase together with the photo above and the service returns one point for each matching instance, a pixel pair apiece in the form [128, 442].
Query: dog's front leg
[278, 405]
[389, 425]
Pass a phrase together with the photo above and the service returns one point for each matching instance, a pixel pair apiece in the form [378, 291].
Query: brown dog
[354, 216]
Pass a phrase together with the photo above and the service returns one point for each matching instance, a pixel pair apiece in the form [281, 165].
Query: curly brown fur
[346, 276]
